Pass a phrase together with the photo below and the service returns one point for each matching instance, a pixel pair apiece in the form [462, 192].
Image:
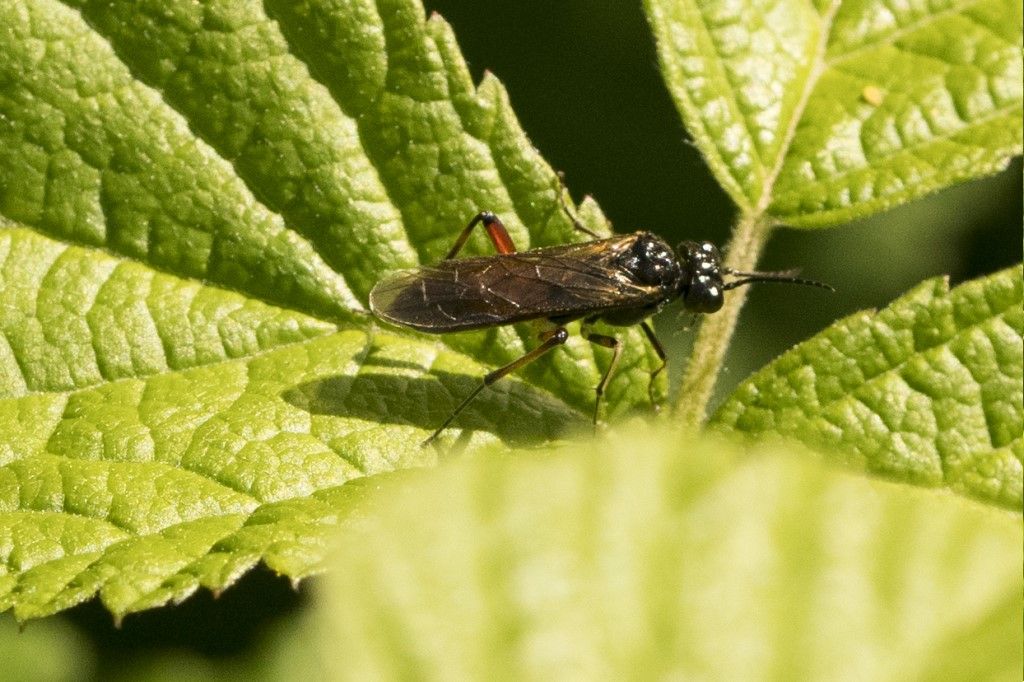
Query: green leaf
[660, 557]
[820, 112]
[195, 200]
[929, 390]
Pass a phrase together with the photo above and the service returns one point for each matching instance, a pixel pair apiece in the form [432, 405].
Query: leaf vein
[891, 38]
[814, 73]
[912, 149]
[205, 143]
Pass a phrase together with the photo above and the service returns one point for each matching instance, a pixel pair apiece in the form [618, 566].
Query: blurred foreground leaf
[49, 651]
[657, 556]
[929, 390]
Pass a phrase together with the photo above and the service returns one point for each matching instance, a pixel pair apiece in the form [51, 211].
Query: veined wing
[472, 293]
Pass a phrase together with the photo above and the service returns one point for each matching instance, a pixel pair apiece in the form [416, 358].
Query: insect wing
[474, 293]
[433, 299]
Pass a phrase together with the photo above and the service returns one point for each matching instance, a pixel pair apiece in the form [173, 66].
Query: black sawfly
[620, 280]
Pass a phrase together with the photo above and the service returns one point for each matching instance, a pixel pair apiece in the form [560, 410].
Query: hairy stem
[716, 330]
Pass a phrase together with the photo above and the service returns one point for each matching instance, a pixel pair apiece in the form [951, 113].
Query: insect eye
[704, 294]
[703, 290]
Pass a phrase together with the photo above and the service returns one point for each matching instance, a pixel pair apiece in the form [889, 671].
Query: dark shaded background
[583, 79]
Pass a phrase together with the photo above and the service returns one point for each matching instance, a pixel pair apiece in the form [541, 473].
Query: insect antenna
[781, 276]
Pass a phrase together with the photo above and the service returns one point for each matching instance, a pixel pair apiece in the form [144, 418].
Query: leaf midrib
[360, 321]
[816, 68]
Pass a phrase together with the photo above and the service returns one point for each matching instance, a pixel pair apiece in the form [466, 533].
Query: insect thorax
[652, 262]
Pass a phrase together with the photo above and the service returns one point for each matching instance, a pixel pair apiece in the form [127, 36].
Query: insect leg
[659, 351]
[495, 230]
[560, 191]
[616, 346]
[550, 339]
